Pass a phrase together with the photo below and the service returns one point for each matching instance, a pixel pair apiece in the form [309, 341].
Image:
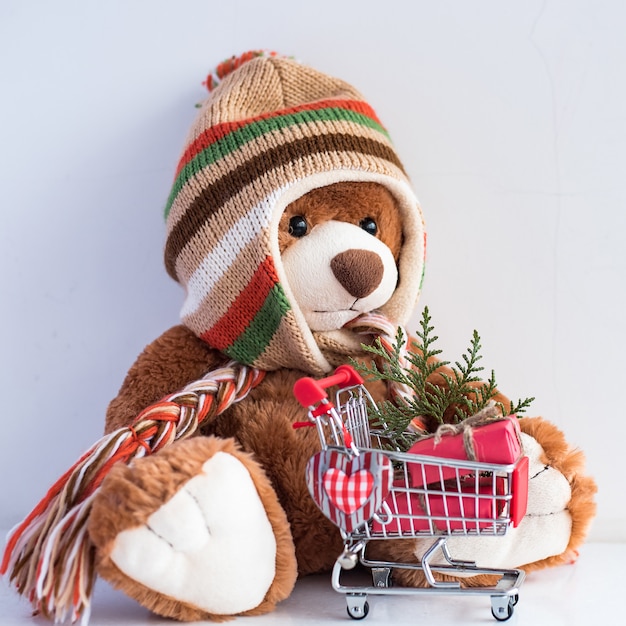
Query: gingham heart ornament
[349, 489]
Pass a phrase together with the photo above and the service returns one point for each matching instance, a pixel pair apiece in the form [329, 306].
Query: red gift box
[496, 442]
[407, 515]
[477, 506]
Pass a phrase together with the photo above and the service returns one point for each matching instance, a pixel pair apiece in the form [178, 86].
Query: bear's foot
[194, 532]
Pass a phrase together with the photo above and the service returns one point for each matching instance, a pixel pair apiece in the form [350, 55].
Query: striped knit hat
[270, 131]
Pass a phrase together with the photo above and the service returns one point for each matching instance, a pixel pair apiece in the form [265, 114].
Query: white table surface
[588, 592]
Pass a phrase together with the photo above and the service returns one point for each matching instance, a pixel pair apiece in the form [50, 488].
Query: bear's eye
[298, 226]
[369, 225]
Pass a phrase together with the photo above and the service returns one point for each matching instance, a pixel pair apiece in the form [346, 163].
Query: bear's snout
[337, 272]
[358, 271]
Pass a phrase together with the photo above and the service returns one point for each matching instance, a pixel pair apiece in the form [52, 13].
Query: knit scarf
[49, 555]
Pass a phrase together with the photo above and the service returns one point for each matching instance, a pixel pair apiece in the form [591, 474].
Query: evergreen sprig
[441, 393]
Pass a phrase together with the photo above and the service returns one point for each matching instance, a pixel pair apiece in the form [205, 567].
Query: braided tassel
[49, 555]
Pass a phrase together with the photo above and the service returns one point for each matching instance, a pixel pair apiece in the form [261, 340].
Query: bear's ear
[369, 205]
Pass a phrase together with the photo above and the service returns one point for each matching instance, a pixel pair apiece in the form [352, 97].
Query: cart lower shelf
[504, 595]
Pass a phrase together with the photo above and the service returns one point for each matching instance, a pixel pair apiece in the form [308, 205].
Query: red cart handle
[310, 392]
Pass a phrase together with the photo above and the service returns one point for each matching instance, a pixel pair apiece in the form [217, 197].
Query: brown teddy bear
[291, 219]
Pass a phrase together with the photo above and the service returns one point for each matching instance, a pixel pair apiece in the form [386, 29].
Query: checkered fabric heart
[348, 493]
[349, 489]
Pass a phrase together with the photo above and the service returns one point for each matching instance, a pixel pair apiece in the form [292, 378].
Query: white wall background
[509, 117]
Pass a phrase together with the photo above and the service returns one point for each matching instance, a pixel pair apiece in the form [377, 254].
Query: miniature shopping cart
[372, 493]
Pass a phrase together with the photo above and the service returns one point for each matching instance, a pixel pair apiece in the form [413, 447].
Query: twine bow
[485, 416]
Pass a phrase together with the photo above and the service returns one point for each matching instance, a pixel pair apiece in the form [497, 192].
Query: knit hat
[270, 131]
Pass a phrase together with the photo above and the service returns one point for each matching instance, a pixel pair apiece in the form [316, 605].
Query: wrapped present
[497, 442]
[407, 515]
[478, 505]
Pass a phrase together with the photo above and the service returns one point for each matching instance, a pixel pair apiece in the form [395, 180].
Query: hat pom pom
[228, 66]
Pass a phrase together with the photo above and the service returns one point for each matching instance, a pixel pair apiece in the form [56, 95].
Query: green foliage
[460, 392]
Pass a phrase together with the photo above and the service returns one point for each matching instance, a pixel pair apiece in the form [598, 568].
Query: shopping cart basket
[372, 493]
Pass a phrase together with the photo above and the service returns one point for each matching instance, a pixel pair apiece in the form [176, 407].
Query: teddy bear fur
[259, 431]
[261, 426]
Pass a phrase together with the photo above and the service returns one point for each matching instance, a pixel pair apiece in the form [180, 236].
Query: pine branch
[519, 407]
[461, 394]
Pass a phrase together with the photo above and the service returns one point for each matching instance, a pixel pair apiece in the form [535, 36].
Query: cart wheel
[502, 614]
[502, 606]
[356, 612]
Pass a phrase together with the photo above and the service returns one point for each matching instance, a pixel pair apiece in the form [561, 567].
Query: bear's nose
[358, 271]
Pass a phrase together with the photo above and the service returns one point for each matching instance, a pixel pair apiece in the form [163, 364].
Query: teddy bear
[292, 226]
